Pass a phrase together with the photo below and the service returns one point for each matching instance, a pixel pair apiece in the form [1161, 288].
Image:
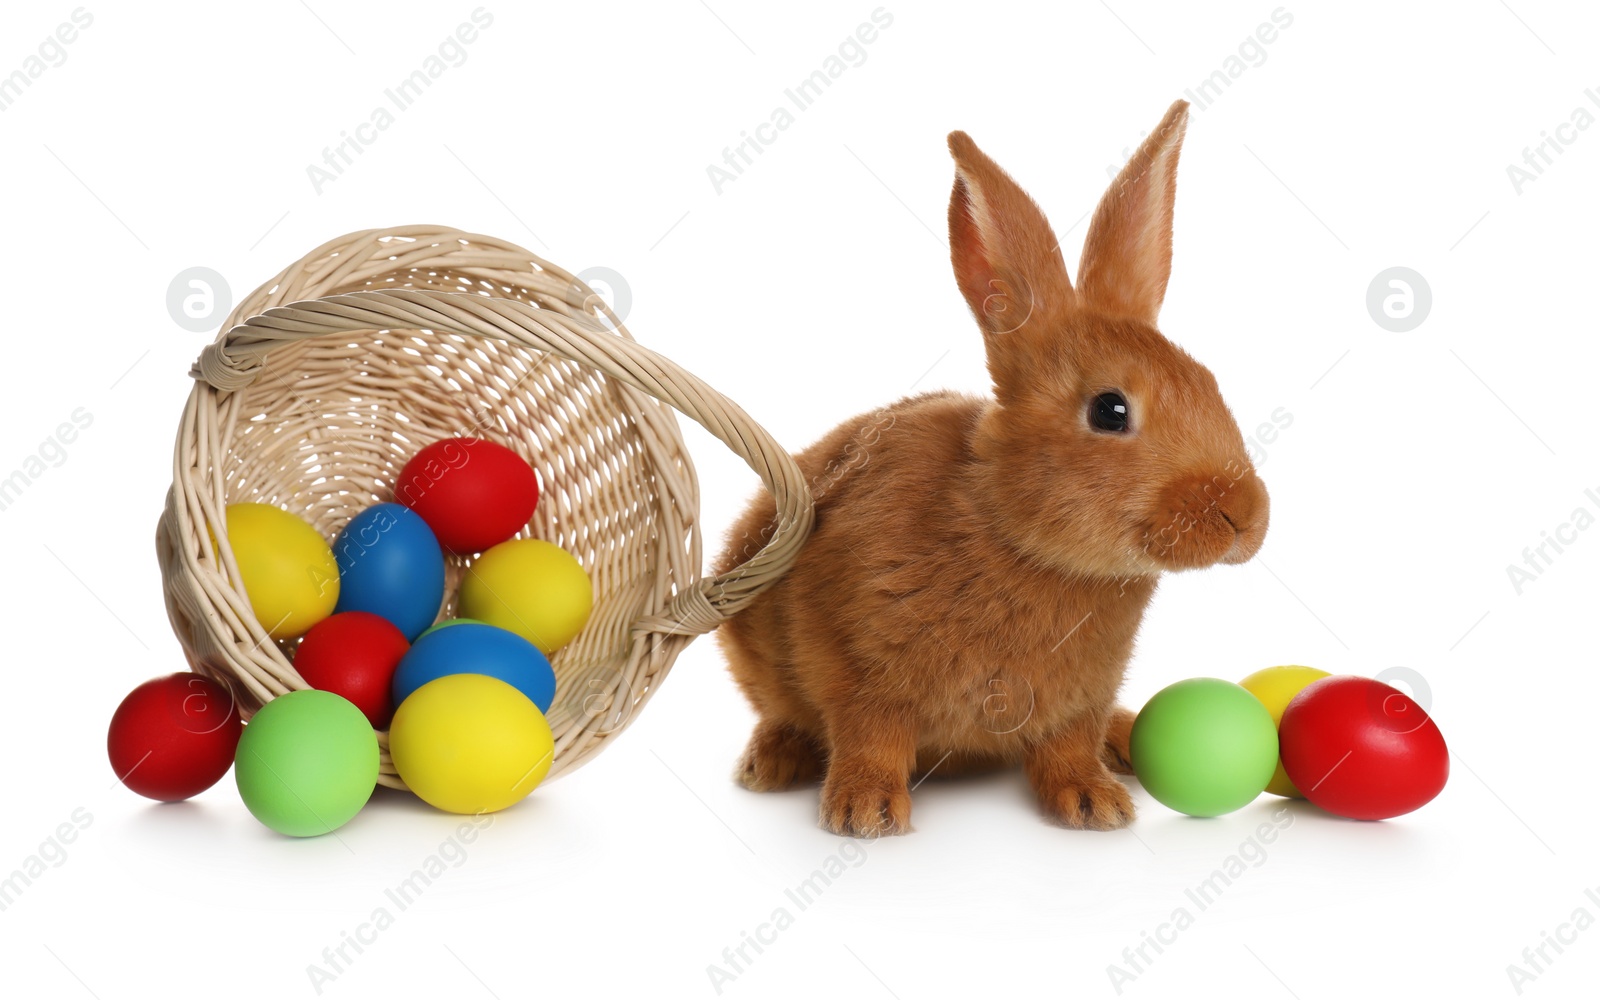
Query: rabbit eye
[1109, 412]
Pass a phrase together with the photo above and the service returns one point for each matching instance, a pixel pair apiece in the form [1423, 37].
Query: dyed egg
[390, 565]
[474, 494]
[174, 737]
[354, 654]
[475, 648]
[1274, 687]
[307, 763]
[470, 744]
[1204, 746]
[289, 572]
[1362, 749]
[530, 587]
[436, 626]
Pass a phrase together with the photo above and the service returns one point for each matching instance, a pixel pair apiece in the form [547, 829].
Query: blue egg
[390, 565]
[475, 648]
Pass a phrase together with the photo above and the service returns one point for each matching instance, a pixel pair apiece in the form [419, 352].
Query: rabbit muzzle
[1203, 520]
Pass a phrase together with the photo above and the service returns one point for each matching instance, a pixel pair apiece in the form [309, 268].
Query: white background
[1417, 467]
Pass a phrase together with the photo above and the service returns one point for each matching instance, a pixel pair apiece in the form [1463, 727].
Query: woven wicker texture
[325, 380]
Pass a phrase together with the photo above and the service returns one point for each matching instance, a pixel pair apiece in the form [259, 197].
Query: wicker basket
[326, 379]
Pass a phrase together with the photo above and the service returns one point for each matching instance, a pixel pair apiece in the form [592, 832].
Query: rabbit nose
[1249, 530]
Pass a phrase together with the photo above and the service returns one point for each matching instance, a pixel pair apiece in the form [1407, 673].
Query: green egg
[307, 763]
[1204, 746]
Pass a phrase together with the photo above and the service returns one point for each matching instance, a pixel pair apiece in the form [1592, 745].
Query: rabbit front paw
[1097, 803]
[866, 806]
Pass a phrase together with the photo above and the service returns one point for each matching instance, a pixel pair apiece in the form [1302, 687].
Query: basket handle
[235, 359]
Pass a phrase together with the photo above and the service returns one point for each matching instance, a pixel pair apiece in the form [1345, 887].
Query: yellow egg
[289, 571]
[1275, 687]
[470, 743]
[529, 587]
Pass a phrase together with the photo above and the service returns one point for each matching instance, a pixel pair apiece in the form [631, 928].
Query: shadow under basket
[325, 380]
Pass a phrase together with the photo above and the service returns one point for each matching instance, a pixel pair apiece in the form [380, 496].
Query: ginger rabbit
[979, 566]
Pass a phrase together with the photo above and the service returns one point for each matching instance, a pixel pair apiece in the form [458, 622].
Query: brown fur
[979, 567]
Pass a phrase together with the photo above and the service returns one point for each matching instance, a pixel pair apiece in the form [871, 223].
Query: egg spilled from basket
[469, 733]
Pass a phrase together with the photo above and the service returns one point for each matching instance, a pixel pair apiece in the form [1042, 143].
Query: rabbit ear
[1006, 258]
[1127, 255]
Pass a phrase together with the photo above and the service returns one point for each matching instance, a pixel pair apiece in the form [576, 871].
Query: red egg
[1361, 749]
[474, 494]
[174, 737]
[354, 655]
